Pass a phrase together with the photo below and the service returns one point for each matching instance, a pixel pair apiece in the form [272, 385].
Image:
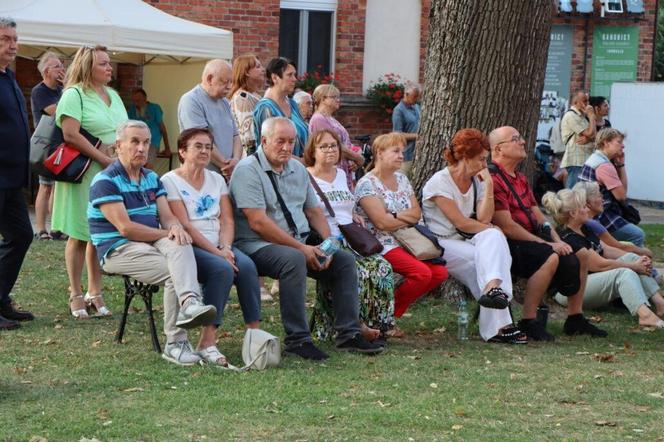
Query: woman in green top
[89, 104]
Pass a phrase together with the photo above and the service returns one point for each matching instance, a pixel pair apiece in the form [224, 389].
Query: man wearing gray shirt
[206, 106]
[274, 239]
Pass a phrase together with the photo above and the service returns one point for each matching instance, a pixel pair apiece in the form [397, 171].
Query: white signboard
[638, 110]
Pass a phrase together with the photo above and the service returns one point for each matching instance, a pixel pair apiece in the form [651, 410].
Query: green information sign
[615, 56]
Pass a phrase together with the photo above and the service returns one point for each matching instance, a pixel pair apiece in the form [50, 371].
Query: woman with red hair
[458, 206]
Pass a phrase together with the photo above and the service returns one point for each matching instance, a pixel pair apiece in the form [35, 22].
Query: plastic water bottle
[462, 321]
[329, 247]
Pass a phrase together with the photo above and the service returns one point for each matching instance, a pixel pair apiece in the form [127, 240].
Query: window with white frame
[306, 33]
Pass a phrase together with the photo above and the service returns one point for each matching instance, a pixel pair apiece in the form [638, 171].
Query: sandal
[212, 355]
[495, 298]
[59, 236]
[369, 334]
[97, 303]
[510, 335]
[75, 304]
[43, 235]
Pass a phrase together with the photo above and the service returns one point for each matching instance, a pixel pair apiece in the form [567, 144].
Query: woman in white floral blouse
[248, 79]
[386, 201]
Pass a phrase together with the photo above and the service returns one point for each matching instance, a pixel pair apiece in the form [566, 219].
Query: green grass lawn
[68, 380]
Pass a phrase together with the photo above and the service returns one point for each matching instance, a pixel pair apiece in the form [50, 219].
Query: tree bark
[484, 69]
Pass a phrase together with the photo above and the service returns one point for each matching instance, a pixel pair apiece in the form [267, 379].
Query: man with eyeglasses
[577, 130]
[275, 210]
[15, 227]
[44, 99]
[136, 234]
[538, 253]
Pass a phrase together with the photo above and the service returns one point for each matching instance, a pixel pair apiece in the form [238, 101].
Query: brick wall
[585, 28]
[254, 23]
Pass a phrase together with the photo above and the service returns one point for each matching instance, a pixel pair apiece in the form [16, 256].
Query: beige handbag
[260, 350]
[417, 244]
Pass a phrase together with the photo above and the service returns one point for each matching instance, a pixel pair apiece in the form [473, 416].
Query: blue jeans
[573, 173]
[217, 276]
[630, 232]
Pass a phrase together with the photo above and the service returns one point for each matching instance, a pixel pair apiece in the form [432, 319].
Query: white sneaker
[194, 313]
[180, 353]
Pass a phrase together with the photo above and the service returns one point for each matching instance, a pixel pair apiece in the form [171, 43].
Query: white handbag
[260, 350]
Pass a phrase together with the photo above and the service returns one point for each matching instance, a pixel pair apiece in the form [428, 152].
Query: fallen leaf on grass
[617, 373]
[96, 344]
[38, 439]
[582, 353]
[456, 427]
[132, 389]
[26, 382]
[433, 385]
[638, 430]
[48, 342]
[416, 357]
[330, 417]
[383, 405]
[658, 395]
[596, 318]
[605, 357]
[605, 424]
[58, 326]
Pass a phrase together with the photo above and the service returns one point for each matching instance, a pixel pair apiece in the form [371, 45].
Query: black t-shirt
[586, 241]
[42, 97]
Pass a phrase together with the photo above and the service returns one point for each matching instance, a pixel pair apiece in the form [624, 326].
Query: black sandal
[495, 298]
[510, 335]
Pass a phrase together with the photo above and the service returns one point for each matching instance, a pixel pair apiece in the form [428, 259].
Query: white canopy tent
[123, 26]
[171, 50]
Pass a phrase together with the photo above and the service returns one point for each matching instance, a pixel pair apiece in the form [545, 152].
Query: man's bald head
[499, 134]
[217, 78]
[507, 146]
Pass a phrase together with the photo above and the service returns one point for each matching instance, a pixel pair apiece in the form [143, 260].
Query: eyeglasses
[201, 147]
[514, 139]
[328, 147]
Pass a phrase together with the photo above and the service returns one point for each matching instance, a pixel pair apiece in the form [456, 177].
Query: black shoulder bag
[541, 230]
[466, 235]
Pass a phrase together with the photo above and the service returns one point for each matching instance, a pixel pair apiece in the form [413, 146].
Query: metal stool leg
[147, 293]
[129, 295]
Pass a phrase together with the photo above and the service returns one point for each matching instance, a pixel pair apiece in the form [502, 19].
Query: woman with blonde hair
[86, 103]
[248, 80]
[374, 273]
[611, 272]
[386, 201]
[327, 100]
[606, 166]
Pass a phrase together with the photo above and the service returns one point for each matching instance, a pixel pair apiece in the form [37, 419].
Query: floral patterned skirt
[376, 297]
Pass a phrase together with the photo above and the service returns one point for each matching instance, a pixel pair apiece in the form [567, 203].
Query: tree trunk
[484, 68]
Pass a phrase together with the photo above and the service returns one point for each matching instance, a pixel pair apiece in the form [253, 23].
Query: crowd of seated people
[257, 179]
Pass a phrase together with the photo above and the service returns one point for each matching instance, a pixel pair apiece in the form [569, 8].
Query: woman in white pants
[458, 206]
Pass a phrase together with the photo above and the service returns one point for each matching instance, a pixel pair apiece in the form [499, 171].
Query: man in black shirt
[44, 98]
[15, 227]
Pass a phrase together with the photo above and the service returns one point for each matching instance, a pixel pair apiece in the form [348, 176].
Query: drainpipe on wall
[654, 42]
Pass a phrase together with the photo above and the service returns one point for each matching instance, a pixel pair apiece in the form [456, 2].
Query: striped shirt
[113, 185]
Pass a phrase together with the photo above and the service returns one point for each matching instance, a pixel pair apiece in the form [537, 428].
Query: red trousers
[421, 277]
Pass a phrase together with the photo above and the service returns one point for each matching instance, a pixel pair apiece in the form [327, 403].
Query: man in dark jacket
[15, 228]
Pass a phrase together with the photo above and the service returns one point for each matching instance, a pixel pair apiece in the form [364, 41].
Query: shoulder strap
[322, 196]
[496, 170]
[282, 204]
[474, 214]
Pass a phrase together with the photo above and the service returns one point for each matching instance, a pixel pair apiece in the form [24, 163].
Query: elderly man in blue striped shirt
[136, 234]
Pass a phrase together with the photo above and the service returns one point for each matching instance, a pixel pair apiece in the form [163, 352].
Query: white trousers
[475, 262]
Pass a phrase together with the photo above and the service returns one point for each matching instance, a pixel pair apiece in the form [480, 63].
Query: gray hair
[606, 135]
[589, 188]
[412, 87]
[7, 22]
[269, 126]
[43, 60]
[300, 96]
[122, 128]
[561, 204]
